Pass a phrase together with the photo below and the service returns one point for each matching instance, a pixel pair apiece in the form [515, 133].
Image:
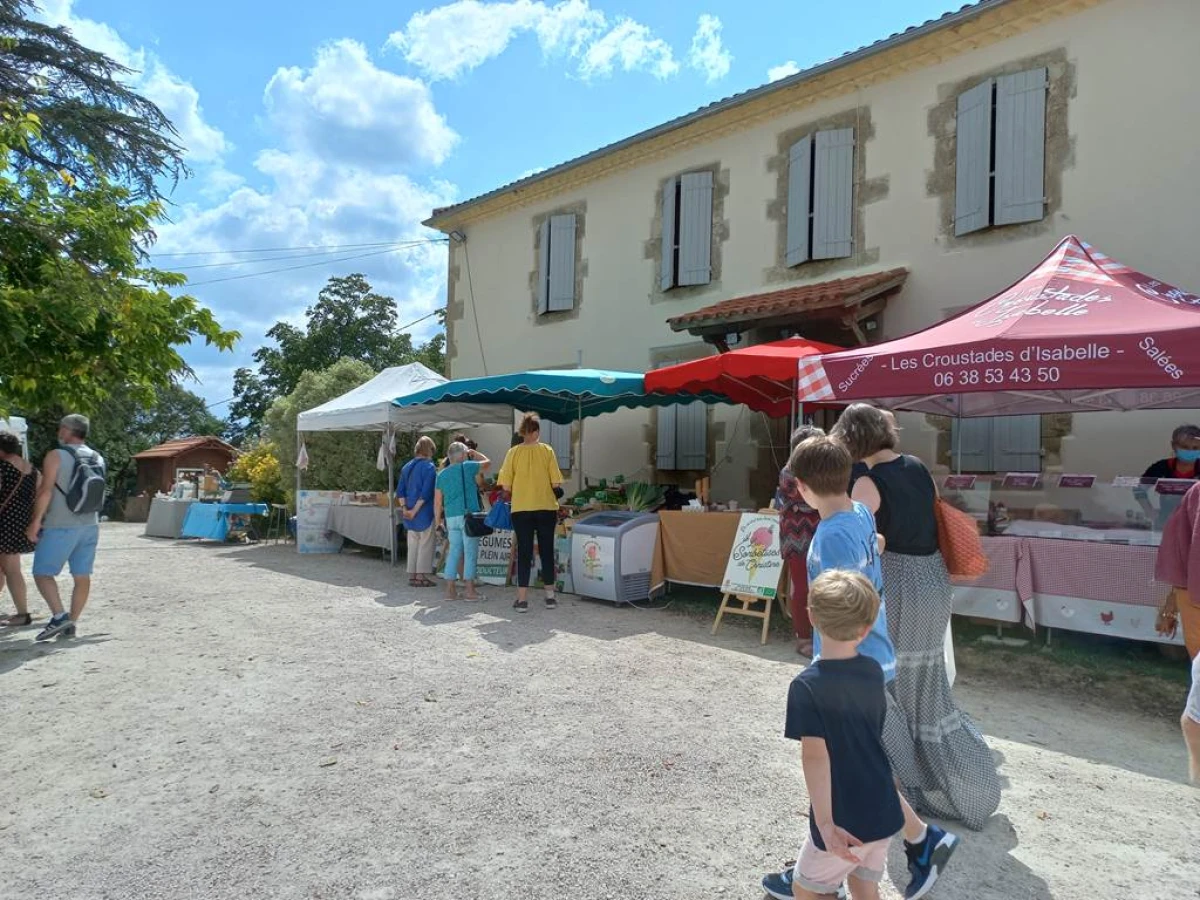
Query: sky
[320, 135]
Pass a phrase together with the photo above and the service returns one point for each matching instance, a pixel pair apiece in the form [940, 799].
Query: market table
[210, 521]
[369, 526]
[692, 548]
[166, 517]
[998, 595]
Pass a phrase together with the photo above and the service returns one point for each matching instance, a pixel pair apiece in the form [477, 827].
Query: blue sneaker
[779, 884]
[927, 860]
[60, 624]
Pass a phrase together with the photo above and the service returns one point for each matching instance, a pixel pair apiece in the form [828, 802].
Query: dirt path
[246, 723]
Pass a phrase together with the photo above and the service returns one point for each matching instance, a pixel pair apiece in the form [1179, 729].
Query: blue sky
[322, 125]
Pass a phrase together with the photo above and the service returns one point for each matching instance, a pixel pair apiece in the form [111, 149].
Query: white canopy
[19, 427]
[369, 406]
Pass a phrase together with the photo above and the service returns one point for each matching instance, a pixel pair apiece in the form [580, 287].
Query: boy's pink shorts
[823, 873]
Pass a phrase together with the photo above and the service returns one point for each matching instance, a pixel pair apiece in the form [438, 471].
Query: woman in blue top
[456, 493]
[415, 493]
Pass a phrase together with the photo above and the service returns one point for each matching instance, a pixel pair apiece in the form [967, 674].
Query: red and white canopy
[1081, 332]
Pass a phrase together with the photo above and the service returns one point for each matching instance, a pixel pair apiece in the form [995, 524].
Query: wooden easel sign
[754, 570]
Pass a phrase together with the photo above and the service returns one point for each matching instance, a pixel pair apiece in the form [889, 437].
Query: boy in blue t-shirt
[836, 709]
[846, 540]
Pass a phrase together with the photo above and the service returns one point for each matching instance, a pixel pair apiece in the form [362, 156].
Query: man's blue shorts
[74, 547]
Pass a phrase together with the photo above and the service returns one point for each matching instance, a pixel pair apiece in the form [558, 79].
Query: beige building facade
[957, 154]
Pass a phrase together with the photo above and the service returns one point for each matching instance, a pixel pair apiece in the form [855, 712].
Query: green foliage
[337, 461]
[92, 124]
[259, 467]
[348, 321]
[81, 315]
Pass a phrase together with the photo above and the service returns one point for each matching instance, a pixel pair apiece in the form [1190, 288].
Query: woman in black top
[18, 488]
[958, 777]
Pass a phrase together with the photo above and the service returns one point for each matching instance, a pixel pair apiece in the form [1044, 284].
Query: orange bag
[958, 539]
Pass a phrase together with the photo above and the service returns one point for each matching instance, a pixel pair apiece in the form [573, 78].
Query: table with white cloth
[368, 526]
[166, 516]
[1103, 588]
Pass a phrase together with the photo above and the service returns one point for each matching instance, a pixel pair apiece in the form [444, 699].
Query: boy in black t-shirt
[835, 709]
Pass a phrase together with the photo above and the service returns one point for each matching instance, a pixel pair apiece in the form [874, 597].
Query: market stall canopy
[370, 407]
[1081, 332]
[557, 395]
[763, 377]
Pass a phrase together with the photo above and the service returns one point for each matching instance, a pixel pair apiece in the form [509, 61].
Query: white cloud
[346, 108]
[453, 39]
[782, 71]
[708, 54]
[630, 45]
[177, 98]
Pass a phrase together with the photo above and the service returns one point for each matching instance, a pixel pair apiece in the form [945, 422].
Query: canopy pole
[579, 413]
[389, 437]
[299, 444]
[958, 437]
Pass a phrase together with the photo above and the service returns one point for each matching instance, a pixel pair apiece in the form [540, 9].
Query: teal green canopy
[558, 395]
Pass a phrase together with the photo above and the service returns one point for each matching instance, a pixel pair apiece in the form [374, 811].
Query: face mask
[1188, 456]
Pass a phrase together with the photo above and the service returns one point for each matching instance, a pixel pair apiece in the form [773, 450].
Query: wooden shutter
[973, 160]
[1020, 147]
[1017, 444]
[544, 268]
[562, 263]
[695, 228]
[670, 208]
[691, 436]
[833, 194]
[664, 453]
[559, 439]
[799, 200]
[971, 445]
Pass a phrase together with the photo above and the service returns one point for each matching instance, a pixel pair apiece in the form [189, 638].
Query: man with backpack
[66, 523]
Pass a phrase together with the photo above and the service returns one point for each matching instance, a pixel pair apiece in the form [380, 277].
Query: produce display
[634, 495]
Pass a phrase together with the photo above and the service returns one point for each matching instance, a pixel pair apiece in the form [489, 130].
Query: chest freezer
[612, 554]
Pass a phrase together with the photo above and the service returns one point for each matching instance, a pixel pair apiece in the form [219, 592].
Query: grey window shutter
[1020, 147]
[1017, 444]
[799, 200]
[559, 439]
[691, 437]
[669, 210]
[544, 268]
[833, 194]
[973, 161]
[562, 263]
[695, 228]
[971, 445]
[664, 454]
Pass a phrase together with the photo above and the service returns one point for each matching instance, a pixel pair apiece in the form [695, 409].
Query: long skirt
[951, 773]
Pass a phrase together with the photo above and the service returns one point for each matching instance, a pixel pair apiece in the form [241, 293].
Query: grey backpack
[86, 491]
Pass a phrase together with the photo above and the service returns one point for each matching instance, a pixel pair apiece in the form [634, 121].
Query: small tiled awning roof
[827, 297]
[172, 449]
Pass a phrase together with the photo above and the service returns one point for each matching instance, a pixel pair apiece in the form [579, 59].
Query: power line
[309, 247]
[246, 262]
[474, 308]
[323, 262]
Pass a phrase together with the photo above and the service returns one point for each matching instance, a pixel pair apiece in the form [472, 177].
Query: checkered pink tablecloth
[1112, 573]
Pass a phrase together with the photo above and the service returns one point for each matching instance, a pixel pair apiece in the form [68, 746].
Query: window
[682, 438]
[687, 214]
[556, 264]
[820, 201]
[1001, 444]
[558, 437]
[1001, 152]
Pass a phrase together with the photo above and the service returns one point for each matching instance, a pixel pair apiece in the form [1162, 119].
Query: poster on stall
[494, 552]
[312, 522]
[755, 562]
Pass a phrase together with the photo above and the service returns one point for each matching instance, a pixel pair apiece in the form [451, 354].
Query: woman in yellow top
[531, 474]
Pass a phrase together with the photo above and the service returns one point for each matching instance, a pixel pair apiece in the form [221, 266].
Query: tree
[348, 321]
[259, 467]
[337, 461]
[93, 124]
[81, 314]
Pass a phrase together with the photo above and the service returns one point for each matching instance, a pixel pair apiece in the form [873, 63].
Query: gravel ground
[241, 722]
